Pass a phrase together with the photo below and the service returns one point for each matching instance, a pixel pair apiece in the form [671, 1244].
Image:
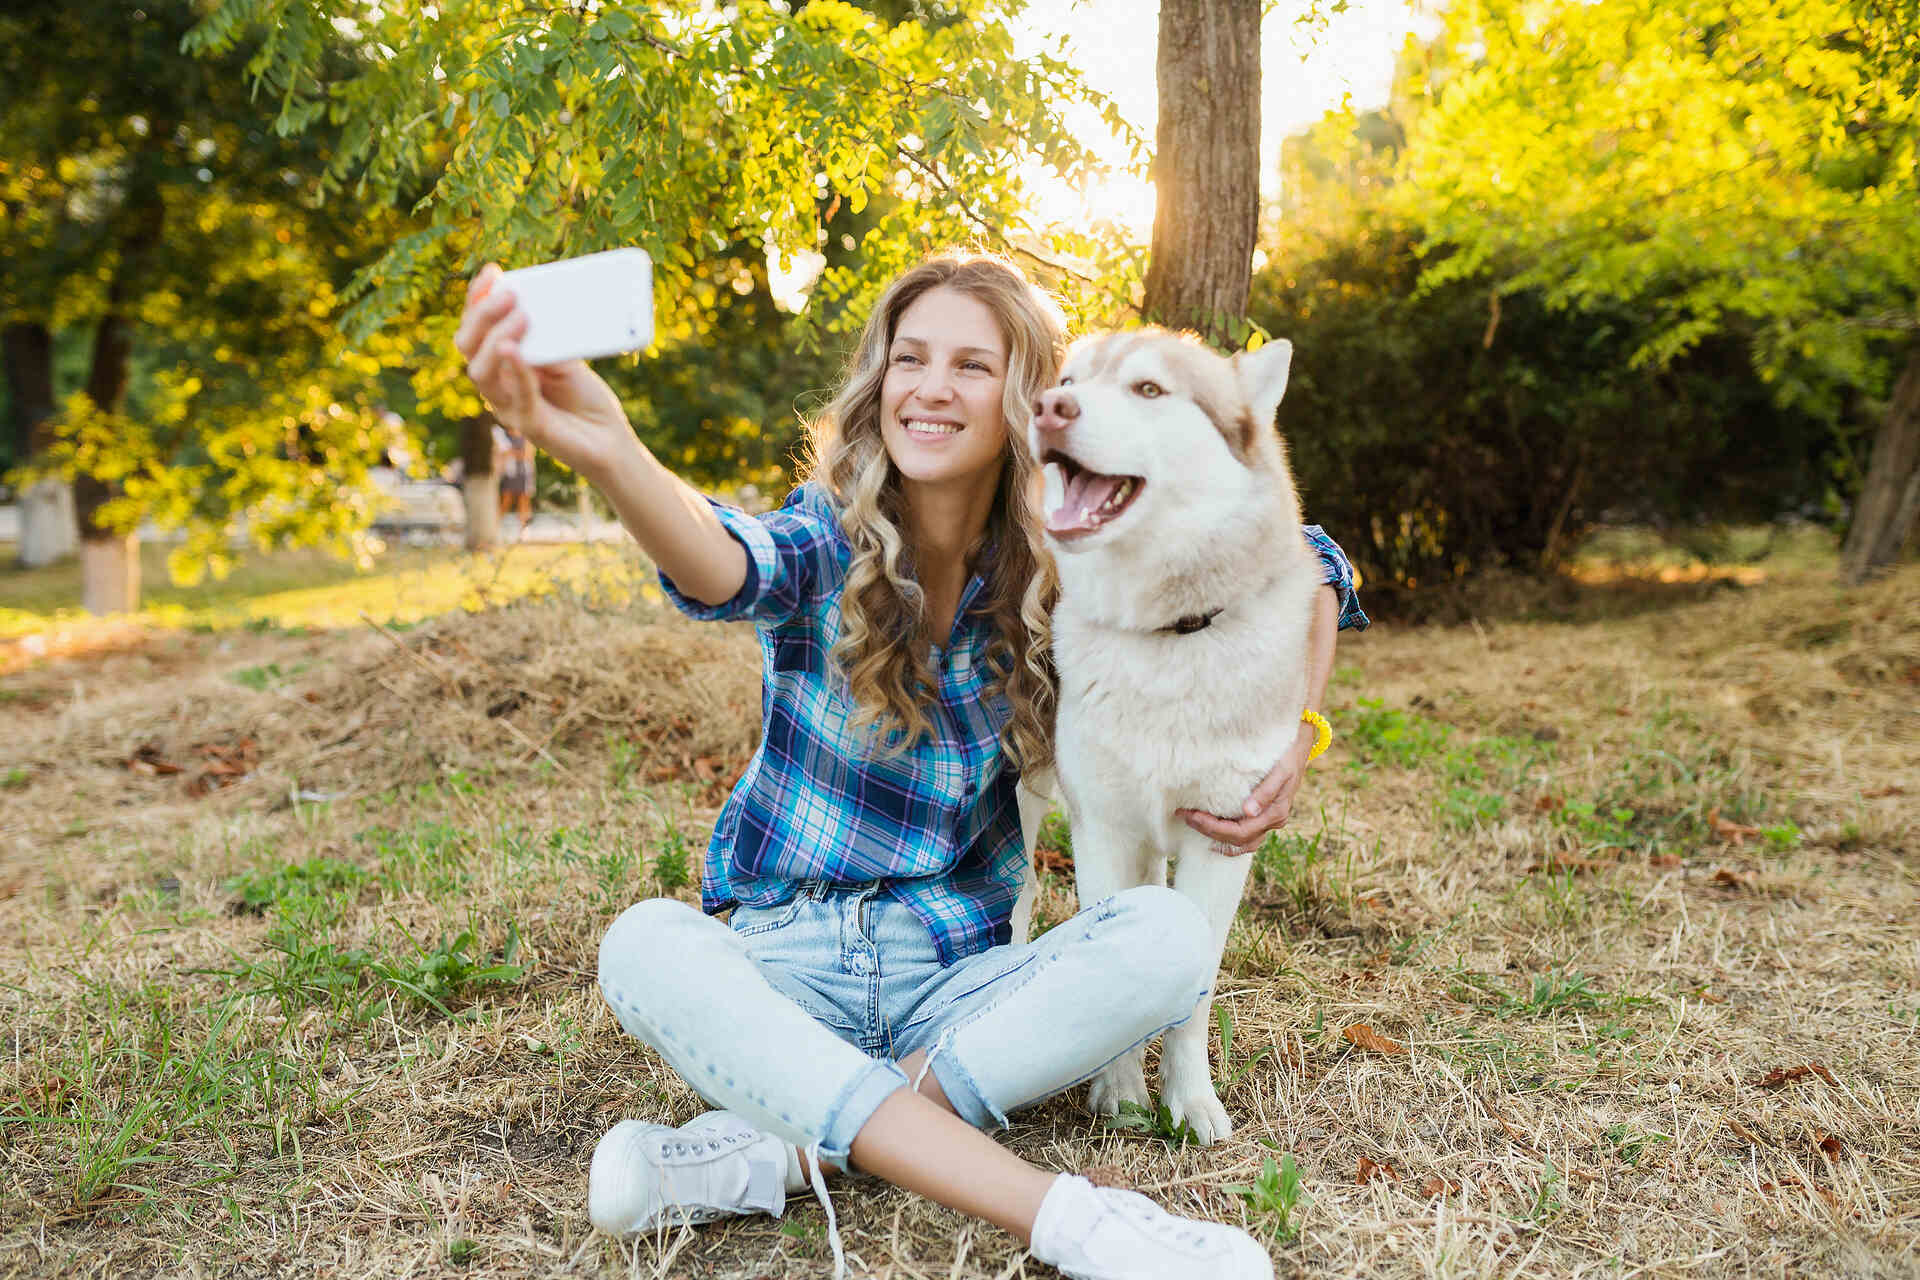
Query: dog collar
[1194, 622]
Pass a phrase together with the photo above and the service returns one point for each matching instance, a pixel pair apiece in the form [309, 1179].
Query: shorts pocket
[749, 921]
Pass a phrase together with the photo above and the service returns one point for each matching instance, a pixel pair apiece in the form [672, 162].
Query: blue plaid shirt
[937, 823]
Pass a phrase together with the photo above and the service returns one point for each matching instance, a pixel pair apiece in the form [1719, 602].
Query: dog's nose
[1054, 408]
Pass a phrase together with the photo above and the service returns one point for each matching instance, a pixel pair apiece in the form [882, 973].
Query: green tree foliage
[151, 209]
[1716, 165]
[679, 127]
[1435, 444]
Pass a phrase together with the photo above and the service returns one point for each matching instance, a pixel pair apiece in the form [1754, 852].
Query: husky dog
[1181, 632]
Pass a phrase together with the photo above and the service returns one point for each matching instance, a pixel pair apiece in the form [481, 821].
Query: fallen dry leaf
[1712, 998]
[1437, 1186]
[1829, 1144]
[1664, 860]
[1780, 1077]
[1547, 804]
[1726, 879]
[1371, 1169]
[1881, 792]
[1735, 833]
[148, 761]
[1362, 1036]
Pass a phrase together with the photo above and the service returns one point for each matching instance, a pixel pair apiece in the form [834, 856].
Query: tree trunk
[47, 528]
[479, 482]
[110, 574]
[1206, 167]
[1890, 499]
[117, 558]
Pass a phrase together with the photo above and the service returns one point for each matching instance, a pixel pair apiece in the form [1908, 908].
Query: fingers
[480, 317]
[1269, 788]
[497, 370]
[483, 281]
[1242, 836]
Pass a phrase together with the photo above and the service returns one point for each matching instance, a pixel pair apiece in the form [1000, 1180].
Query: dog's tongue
[1072, 502]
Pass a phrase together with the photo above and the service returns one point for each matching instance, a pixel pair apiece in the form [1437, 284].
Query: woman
[865, 1004]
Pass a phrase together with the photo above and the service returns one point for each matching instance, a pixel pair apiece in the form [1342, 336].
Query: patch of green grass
[258, 890]
[614, 876]
[623, 758]
[449, 972]
[462, 1252]
[1055, 833]
[1156, 1123]
[1388, 735]
[672, 864]
[1547, 1204]
[1552, 994]
[1464, 808]
[15, 777]
[141, 1086]
[263, 677]
[1293, 863]
[1223, 1018]
[1274, 1195]
[1632, 1146]
[306, 967]
[432, 858]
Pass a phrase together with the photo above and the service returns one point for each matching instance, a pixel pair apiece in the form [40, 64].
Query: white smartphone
[579, 308]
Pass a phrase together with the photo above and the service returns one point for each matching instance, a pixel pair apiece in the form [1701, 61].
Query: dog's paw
[1201, 1110]
[1122, 1081]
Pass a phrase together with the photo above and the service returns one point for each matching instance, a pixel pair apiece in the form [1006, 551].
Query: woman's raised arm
[569, 410]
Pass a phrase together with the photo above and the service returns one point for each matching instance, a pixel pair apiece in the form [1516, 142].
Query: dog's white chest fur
[1155, 721]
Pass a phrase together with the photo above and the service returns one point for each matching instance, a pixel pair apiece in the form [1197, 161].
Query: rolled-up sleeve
[791, 552]
[1337, 572]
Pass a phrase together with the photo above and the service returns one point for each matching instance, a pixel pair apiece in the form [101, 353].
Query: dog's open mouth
[1079, 500]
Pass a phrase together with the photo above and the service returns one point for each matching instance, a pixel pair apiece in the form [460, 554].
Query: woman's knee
[648, 938]
[1173, 940]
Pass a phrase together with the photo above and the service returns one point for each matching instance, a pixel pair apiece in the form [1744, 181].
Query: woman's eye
[1148, 389]
[975, 364]
[904, 357]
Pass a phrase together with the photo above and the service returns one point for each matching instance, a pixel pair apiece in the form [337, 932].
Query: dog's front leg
[1214, 882]
[1106, 860]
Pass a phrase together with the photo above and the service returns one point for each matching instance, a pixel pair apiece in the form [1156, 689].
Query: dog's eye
[1066, 382]
[1148, 389]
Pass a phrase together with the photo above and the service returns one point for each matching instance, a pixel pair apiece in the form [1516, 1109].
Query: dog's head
[1151, 435]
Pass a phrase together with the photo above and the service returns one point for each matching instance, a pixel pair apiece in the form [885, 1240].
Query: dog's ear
[1263, 378]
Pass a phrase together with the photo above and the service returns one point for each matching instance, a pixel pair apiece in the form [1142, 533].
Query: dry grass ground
[297, 939]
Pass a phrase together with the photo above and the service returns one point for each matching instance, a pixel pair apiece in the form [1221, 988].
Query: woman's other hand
[566, 409]
[1267, 809]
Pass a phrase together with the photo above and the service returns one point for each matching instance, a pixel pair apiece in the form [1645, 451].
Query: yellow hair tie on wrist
[1322, 733]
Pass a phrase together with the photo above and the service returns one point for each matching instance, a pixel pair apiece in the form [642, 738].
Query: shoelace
[810, 1155]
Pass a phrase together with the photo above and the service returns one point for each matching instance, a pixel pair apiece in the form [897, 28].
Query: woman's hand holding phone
[566, 409]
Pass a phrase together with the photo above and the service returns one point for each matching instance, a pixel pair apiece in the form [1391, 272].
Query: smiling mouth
[1079, 500]
[929, 429]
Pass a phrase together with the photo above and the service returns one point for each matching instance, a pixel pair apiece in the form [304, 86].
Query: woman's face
[941, 411]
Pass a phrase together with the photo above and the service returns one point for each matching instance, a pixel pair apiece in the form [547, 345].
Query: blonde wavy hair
[884, 628]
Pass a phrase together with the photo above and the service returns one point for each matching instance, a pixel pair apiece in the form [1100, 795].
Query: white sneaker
[1104, 1233]
[715, 1166]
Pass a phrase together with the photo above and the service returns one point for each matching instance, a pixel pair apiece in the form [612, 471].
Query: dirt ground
[1593, 949]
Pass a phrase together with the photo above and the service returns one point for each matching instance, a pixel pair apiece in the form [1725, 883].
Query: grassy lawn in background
[312, 589]
[1590, 951]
